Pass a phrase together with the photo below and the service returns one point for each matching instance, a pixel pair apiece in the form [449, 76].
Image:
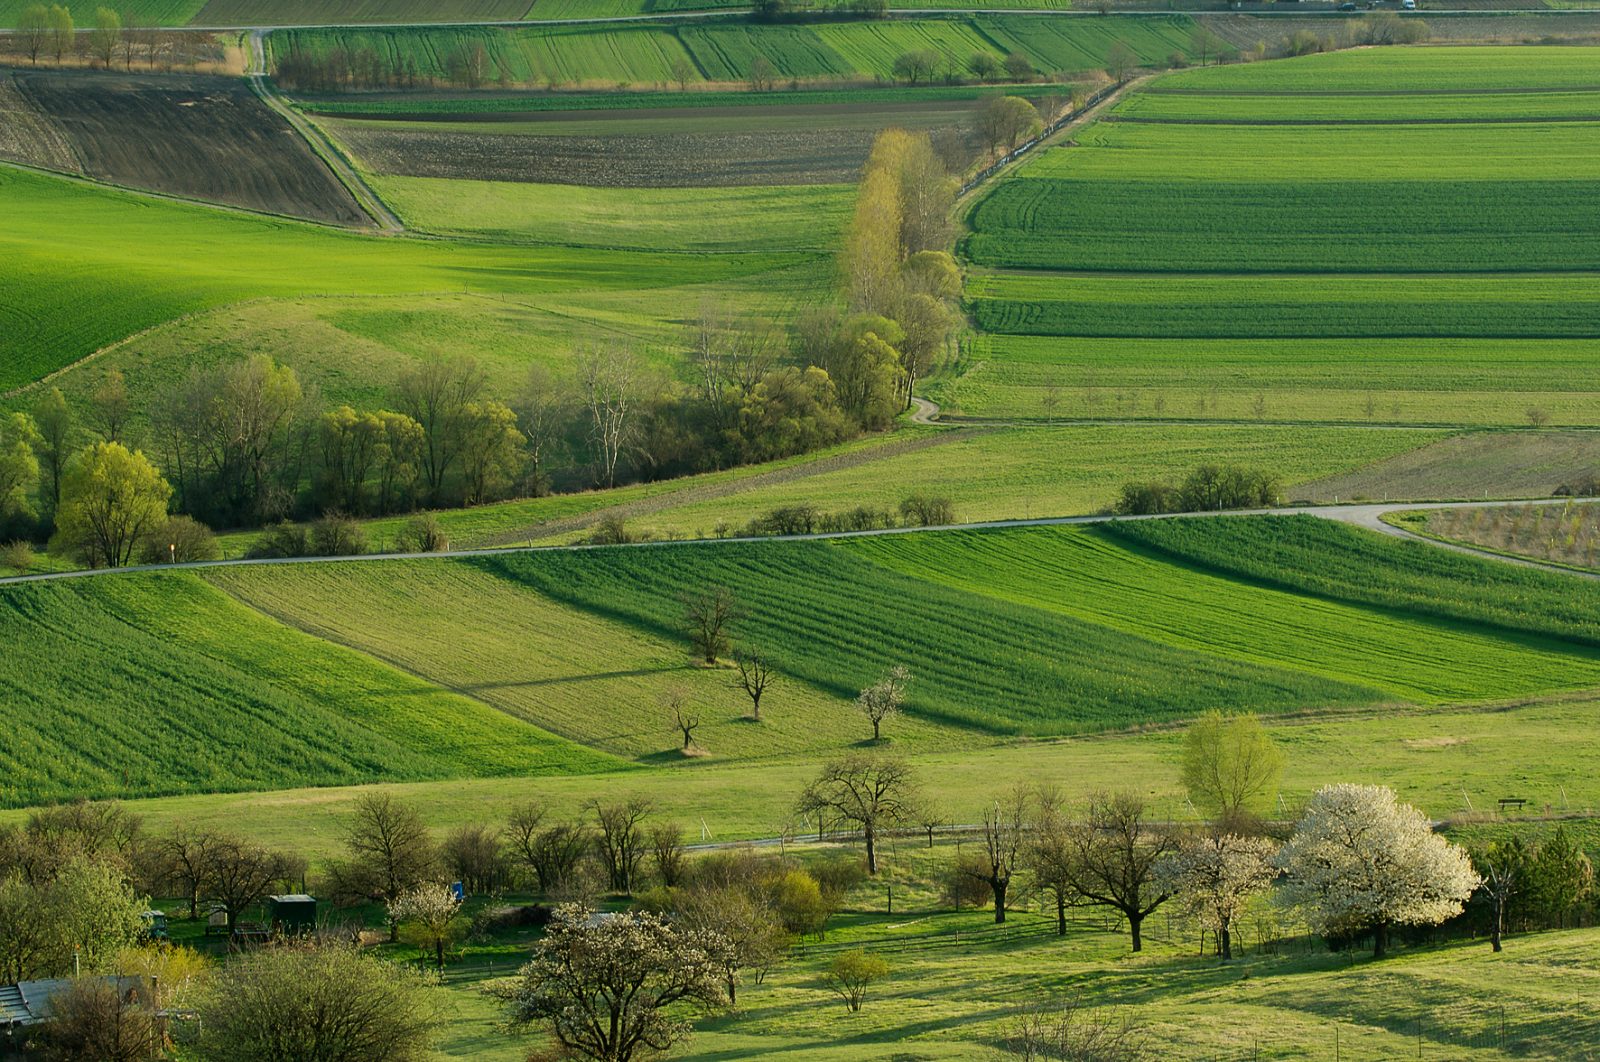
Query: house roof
[28, 1002]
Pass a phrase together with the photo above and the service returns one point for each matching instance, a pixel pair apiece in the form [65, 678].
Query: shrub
[1213, 487]
[926, 511]
[1143, 499]
[788, 520]
[18, 556]
[851, 973]
[423, 534]
[282, 540]
[338, 535]
[181, 540]
[612, 530]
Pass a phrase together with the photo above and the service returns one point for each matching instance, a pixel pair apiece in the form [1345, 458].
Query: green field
[1272, 241]
[1508, 306]
[1142, 623]
[212, 257]
[161, 684]
[1371, 226]
[810, 218]
[1158, 105]
[1385, 71]
[643, 54]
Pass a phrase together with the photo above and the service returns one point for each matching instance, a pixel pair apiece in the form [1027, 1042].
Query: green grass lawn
[1160, 105]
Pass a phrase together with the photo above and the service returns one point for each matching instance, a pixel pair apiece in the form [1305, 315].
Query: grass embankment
[1283, 246]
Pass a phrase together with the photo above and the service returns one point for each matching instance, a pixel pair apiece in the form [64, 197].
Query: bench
[1512, 803]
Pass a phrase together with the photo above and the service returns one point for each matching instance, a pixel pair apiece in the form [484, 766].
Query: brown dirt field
[1486, 465]
[29, 137]
[199, 137]
[684, 148]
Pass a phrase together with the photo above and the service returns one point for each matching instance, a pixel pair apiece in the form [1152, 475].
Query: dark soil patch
[198, 137]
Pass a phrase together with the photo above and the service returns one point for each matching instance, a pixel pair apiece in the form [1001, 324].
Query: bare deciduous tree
[757, 673]
[390, 849]
[871, 792]
[1113, 856]
[621, 841]
[609, 381]
[707, 616]
[1003, 831]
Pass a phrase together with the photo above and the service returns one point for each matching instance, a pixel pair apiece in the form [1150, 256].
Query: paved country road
[1366, 516]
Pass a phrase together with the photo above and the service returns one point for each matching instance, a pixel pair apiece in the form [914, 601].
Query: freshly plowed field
[198, 137]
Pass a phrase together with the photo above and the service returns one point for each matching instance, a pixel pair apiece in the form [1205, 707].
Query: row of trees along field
[247, 443]
[114, 38]
[1356, 864]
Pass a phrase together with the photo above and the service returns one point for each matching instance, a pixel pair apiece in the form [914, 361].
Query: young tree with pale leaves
[1360, 860]
[1214, 877]
[884, 698]
[1231, 767]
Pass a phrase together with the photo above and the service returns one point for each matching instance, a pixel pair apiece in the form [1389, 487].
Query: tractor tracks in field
[325, 149]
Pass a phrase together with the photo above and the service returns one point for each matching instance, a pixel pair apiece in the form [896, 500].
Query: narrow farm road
[368, 200]
[1365, 516]
[923, 411]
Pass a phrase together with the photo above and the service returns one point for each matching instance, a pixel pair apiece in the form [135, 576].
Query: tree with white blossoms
[1213, 878]
[603, 986]
[1360, 860]
[884, 698]
[430, 917]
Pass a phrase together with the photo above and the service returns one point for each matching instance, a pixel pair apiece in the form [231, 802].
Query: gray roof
[296, 897]
[28, 1002]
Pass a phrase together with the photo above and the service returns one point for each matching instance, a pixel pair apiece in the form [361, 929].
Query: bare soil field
[200, 137]
[29, 137]
[648, 148]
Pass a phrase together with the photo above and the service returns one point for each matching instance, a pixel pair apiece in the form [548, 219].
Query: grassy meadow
[212, 257]
[1377, 236]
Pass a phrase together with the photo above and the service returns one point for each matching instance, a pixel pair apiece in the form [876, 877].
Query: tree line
[113, 38]
[248, 444]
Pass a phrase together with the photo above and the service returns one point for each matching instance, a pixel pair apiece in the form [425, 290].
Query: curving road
[1365, 516]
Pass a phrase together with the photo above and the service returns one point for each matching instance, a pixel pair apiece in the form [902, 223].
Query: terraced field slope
[1387, 235]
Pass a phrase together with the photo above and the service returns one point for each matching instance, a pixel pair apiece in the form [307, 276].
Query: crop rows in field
[837, 620]
[1274, 155]
[161, 12]
[1097, 575]
[1304, 554]
[723, 51]
[662, 160]
[206, 138]
[1371, 226]
[1248, 108]
[1515, 306]
[1241, 221]
[1384, 71]
[1444, 381]
[157, 684]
